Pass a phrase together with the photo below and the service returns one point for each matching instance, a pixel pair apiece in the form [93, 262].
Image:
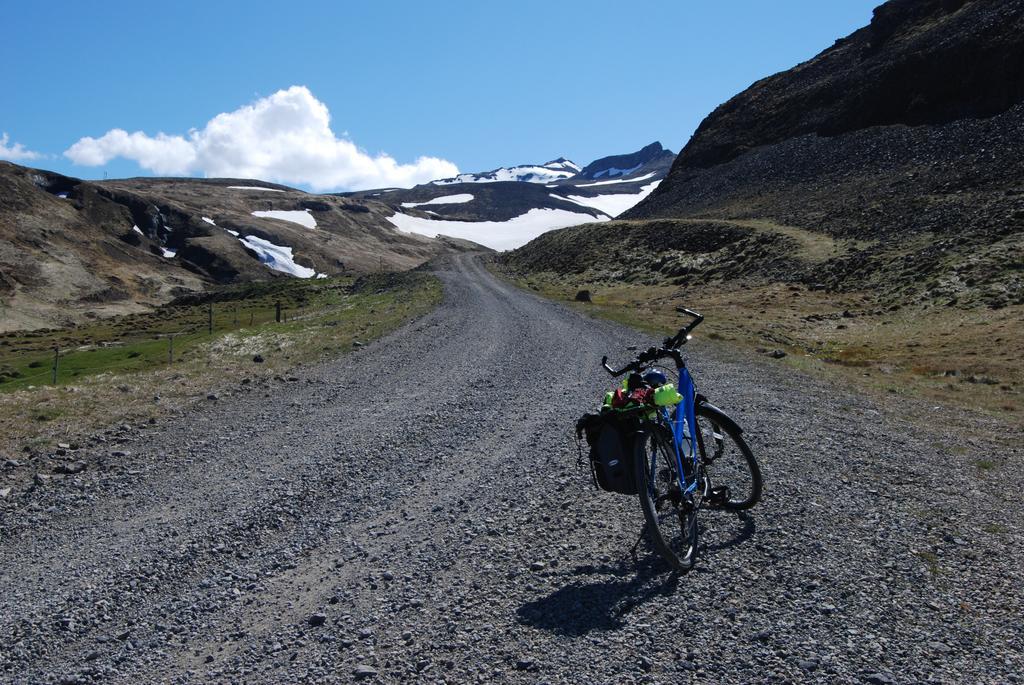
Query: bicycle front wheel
[734, 478]
[671, 516]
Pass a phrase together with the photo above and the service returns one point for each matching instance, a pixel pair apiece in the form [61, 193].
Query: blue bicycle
[685, 458]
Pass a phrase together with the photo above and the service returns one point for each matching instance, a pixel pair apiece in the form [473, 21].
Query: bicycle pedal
[718, 496]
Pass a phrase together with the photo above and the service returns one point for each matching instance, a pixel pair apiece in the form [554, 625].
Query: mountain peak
[625, 165]
[562, 164]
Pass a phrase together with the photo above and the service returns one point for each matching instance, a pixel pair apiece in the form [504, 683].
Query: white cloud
[285, 137]
[16, 152]
[163, 154]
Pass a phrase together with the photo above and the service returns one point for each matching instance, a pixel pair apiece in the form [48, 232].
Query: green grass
[814, 246]
[48, 414]
[118, 369]
[130, 344]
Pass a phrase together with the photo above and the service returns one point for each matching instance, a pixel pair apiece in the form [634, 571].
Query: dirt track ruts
[419, 500]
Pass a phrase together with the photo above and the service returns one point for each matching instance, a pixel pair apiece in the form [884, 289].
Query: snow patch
[615, 171]
[234, 233]
[612, 205]
[499, 235]
[269, 190]
[443, 200]
[617, 180]
[209, 220]
[277, 257]
[138, 230]
[300, 217]
[169, 254]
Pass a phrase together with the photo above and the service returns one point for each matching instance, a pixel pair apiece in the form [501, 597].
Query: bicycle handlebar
[669, 349]
[683, 335]
[644, 358]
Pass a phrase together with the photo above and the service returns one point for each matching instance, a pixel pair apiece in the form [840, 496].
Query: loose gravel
[413, 512]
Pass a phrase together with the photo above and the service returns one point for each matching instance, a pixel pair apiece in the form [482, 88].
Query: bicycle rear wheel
[734, 478]
[671, 517]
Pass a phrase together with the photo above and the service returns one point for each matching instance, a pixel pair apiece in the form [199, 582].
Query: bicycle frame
[685, 444]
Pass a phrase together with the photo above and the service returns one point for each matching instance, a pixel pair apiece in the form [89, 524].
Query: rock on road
[413, 512]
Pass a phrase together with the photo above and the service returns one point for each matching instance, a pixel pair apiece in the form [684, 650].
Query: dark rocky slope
[901, 146]
[918, 62]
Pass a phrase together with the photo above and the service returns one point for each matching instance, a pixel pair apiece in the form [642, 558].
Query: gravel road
[413, 512]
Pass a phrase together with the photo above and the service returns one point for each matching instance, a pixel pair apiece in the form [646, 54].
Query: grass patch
[121, 368]
[931, 560]
[984, 464]
[140, 342]
[45, 415]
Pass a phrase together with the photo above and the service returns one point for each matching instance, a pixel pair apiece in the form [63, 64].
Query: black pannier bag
[610, 437]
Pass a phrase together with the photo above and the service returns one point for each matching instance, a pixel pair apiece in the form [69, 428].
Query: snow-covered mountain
[122, 244]
[554, 170]
[507, 207]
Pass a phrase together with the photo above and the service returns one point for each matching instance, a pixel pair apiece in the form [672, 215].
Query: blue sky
[473, 84]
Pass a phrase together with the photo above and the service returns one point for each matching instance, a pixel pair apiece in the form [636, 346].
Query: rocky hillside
[506, 207]
[71, 249]
[862, 213]
[891, 163]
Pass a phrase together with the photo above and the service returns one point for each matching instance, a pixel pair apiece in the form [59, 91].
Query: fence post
[250, 318]
[236, 315]
[209, 318]
[170, 349]
[56, 357]
[277, 311]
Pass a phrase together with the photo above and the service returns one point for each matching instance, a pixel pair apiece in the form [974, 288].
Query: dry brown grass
[961, 358]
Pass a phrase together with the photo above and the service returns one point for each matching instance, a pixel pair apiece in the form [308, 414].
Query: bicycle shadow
[732, 538]
[580, 608]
